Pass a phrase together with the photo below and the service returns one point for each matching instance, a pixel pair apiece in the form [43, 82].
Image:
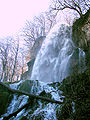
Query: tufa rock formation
[81, 35]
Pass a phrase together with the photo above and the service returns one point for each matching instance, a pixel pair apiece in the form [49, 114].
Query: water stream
[52, 61]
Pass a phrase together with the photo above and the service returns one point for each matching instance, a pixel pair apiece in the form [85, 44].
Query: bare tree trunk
[13, 73]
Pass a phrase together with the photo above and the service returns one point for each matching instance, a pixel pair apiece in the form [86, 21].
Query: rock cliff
[81, 34]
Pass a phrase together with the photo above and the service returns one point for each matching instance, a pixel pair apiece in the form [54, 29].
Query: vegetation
[76, 90]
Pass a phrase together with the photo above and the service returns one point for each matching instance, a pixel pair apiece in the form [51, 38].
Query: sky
[14, 13]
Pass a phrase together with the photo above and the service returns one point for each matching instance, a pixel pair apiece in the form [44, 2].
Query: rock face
[27, 74]
[81, 31]
[5, 99]
[36, 47]
[81, 34]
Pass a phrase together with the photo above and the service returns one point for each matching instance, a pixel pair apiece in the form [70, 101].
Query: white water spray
[52, 61]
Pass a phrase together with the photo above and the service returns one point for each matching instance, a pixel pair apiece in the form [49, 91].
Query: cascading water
[52, 61]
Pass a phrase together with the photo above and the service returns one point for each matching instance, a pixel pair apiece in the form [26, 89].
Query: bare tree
[80, 6]
[50, 19]
[40, 21]
[15, 60]
[9, 62]
[40, 27]
[29, 33]
[45, 21]
[22, 59]
[5, 48]
[4, 57]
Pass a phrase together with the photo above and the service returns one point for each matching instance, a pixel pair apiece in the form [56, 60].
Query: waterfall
[55, 61]
[52, 61]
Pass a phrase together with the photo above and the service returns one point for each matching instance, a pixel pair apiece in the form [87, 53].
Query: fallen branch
[30, 95]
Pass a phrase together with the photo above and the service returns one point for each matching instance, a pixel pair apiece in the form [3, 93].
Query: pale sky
[14, 13]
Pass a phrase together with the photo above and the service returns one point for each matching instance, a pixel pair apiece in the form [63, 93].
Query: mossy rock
[5, 99]
[78, 35]
[27, 86]
[81, 35]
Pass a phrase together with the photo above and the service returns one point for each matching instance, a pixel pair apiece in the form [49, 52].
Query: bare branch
[79, 6]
